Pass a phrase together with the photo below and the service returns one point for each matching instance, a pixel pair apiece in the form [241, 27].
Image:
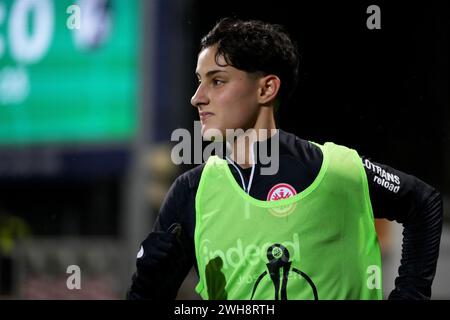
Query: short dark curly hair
[256, 46]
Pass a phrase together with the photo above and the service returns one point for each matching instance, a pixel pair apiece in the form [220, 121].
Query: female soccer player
[304, 232]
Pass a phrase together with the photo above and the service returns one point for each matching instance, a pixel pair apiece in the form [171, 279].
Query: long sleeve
[406, 199]
[162, 283]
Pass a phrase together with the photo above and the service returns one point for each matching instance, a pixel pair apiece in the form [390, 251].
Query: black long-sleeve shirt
[394, 195]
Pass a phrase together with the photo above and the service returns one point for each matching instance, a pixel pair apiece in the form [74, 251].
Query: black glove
[158, 263]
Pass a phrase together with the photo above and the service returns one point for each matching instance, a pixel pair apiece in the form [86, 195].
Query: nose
[199, 98]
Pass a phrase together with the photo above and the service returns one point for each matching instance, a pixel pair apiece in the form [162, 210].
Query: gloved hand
[158, 262]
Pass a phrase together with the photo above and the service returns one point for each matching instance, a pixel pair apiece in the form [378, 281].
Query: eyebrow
[210, 73]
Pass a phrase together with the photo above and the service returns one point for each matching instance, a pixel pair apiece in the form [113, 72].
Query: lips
[205, 115]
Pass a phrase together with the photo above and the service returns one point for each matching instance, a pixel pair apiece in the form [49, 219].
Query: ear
[268, 89]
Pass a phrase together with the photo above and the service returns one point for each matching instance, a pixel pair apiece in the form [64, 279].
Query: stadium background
[86, 117]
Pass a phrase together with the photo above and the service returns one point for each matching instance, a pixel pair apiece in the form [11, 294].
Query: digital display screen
[68, 71]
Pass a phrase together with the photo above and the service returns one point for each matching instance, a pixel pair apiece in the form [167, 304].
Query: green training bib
[318, 244]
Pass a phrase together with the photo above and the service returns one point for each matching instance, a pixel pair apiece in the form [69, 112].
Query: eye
[217, 82]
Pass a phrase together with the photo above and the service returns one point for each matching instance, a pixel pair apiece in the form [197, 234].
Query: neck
[242, 145]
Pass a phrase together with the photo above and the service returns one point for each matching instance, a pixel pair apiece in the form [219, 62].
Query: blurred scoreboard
[68, 71]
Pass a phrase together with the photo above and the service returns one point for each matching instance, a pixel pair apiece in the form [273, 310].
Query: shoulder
[183, 189]
[290, 143]
[290, 140]
[305, 152]
[179, 202]
[190, 179]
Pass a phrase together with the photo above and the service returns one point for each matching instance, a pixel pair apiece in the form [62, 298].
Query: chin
[212, 134]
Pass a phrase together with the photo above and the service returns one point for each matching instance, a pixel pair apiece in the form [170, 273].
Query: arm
[168, 254]
[406, 199]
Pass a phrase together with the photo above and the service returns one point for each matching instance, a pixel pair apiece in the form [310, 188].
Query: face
[226, 98]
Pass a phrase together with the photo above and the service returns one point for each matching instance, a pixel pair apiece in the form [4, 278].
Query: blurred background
[87, 108]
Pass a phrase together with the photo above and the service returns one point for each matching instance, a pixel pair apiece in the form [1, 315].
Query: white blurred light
[14, 85]
[96, 24]
[25, 47]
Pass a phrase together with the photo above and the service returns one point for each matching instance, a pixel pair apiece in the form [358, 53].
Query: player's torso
[317, 244]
